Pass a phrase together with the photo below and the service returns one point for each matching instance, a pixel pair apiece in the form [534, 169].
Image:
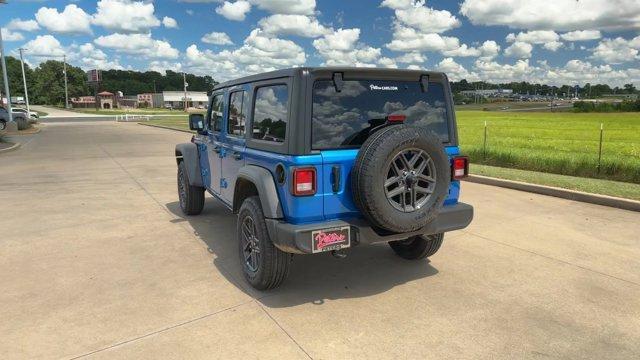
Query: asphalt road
[97, 262]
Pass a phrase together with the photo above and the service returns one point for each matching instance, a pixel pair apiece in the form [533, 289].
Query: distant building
[176, 99]
[150, 100]
[83, 102]
[487, 92]
[106, 100]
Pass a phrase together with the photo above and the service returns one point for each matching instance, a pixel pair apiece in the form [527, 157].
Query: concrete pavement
[97, 262]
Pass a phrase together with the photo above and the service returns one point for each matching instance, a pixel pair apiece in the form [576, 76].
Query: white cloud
[72, 20]
[125, 16]
[462, 51]
[259, 53]
[534, 37]
[410, 40]
[554, 14]
[90, 57]
[581, 35]
[8, 35]
[300, 25]
[162, 66]
[23, 25]
[618, 50]
[45, 46]
[519, 49]
[216, 38]
[415, 14]
[169, 22]
[236, 11]
[489, 50]
[137, 44]
[341, 47]
[296, 7]
[455, 71]
[553, 45]
[411, 58]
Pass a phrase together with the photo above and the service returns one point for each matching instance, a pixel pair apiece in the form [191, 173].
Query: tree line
[523, 87]
[45, 83]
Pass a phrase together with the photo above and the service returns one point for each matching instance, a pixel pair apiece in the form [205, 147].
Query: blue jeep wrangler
[322, 159]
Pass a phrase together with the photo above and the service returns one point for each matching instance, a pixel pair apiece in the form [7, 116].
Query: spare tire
[401, 178]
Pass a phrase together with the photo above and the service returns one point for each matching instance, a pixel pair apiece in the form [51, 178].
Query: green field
[558, 143]
[561, 143]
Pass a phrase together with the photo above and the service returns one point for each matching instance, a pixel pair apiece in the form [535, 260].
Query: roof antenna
[424, 82]
[338, 83]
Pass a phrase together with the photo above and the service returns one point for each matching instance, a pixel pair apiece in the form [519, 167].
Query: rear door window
[343, 119]
[237, 117]
[216, 112]
[271, 113]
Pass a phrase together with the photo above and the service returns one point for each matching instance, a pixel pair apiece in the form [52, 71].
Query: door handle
[237, 155]
[216, 149]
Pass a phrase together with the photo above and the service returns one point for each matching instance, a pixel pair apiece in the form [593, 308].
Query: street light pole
[4, 75]
[66, 93]
[184, 81]
[24, 82]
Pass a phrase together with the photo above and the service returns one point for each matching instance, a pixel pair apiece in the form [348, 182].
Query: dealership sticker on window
[330, 239]
[385, 88]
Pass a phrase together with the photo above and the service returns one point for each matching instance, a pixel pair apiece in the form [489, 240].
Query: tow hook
[339, 254]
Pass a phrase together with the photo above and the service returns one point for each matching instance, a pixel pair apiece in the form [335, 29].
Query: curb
[166, 127]
[22, 132]
[620, 203]
[11, 148]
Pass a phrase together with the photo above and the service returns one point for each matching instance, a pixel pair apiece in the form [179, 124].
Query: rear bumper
[293, 238]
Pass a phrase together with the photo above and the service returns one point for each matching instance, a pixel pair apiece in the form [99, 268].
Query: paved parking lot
[97, 262]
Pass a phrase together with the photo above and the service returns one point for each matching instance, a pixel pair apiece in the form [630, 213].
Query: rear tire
[191, 197]
[264, 265]
[417, 247]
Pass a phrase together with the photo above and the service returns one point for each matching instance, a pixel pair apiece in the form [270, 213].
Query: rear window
[343, 119]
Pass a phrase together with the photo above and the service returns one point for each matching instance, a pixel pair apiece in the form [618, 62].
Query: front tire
[191, 197]
[264, 266]
[417, 247]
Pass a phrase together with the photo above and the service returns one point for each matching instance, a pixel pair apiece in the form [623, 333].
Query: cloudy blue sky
[549, 41]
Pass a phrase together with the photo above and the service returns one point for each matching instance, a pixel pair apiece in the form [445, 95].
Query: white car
[32, 114]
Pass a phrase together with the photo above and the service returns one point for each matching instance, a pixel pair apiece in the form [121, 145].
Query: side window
[236, 114]
[270, 113]
[216, 112]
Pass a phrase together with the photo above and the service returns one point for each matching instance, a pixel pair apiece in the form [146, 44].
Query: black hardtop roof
[349, 72]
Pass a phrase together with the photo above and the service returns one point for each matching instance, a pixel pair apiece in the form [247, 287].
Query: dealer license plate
[331, 239]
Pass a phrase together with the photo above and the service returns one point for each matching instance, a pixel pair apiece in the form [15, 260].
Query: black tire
[417, 247]
[22, 123]
[191, 197]
[271, 265]
[3, 124]
[371, 169]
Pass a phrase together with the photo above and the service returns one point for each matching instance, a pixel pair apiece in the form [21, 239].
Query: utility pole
[184, 81]
[4, 75]
[24, 82]
[66, 92]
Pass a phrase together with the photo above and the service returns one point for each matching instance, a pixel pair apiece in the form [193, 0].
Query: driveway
[97, 262]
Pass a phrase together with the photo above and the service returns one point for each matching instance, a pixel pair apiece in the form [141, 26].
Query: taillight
[459, 167]
[396, 118]
[304, 181]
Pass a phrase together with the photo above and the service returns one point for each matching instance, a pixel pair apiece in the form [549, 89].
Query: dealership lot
[96, 261]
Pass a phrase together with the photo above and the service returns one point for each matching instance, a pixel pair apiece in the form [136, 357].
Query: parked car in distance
[18, 117]
[318, 160]
[32, 114]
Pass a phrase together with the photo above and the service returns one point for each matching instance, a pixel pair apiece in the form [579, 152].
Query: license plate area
[330, 239]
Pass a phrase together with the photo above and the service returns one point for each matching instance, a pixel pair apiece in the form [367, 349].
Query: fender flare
[188, 153]
[264, 183]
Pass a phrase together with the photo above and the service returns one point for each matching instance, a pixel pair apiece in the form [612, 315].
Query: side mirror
[196, 122]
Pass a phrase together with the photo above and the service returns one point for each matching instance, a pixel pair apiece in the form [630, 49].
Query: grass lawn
[594, 186]
[153, 111]
[176, 122]
[561, 143]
